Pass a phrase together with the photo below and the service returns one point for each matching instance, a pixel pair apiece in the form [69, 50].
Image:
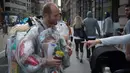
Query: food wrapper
[59, 55]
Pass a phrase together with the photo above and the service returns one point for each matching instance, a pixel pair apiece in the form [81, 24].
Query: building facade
[99, 7]
[35, 7]
[115, 7]
[41, 3]
[22, 8]
[15, 7]
[2, 5]
[58, 3]
[1, 11]
[71, 8]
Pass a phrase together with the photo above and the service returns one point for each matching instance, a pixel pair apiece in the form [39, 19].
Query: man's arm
[128, 28]
[103, 28]
[84, 26]
[98, 28]
[106, 25]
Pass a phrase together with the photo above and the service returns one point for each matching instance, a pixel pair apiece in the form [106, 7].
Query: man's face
[53, 17]
[127, 12]
[59, 17]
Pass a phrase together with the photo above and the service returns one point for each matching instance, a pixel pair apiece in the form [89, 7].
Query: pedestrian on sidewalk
[90, 26]
[127, 26]
[79, 35]
[108, 26]
[30, 47]
[5, 26]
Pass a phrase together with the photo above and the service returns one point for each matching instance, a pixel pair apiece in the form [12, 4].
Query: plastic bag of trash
[63, 29]
[50, 47]
[16, 34]
[49, 39]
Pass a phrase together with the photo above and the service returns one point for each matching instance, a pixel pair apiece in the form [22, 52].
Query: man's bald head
[51, 14]
[47, 8]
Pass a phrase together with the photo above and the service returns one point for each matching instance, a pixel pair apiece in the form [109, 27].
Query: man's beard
[51, 23]
[128, 16]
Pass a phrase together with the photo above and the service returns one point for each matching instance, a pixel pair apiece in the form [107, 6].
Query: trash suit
[32, 50]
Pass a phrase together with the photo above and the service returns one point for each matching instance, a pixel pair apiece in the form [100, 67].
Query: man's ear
[45, 15]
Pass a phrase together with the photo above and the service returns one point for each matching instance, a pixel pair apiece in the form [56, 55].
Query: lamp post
[102, 10]
[99, 8]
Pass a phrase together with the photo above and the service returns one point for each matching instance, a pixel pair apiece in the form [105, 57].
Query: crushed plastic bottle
[107, 70]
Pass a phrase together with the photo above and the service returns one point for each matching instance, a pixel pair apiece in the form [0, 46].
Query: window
[7, 0]
[7, 8]
[24, 4]
[12, 1]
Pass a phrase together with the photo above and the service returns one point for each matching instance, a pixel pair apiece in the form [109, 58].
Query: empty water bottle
[107, 70]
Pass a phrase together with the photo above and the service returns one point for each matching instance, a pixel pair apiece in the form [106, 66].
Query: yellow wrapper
[60, 53]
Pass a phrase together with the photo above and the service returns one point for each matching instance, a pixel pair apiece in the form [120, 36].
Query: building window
[7, 8]
[7, 0]
[12, 1]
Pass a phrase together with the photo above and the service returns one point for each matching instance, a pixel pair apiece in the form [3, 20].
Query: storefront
[1, 11]
[102, 6]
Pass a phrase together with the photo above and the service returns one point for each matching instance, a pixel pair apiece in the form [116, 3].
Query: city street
[3, 60]
[92, 20]
[76, 66]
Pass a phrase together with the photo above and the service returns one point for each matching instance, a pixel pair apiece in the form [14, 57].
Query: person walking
[79, 35]
[5, 26]
[90, 26]
[30, 46]
[108, 26]
[127, 27]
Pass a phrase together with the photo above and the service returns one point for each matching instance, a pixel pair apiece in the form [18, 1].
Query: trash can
[107, 56]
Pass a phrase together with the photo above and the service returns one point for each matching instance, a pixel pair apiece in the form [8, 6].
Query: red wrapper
[32, 61]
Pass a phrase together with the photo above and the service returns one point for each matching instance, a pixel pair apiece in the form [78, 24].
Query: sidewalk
[3, 41]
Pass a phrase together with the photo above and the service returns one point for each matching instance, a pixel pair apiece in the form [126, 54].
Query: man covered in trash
[30, 57]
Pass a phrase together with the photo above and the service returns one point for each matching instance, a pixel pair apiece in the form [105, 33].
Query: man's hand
[69, 50]
[53, 62]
